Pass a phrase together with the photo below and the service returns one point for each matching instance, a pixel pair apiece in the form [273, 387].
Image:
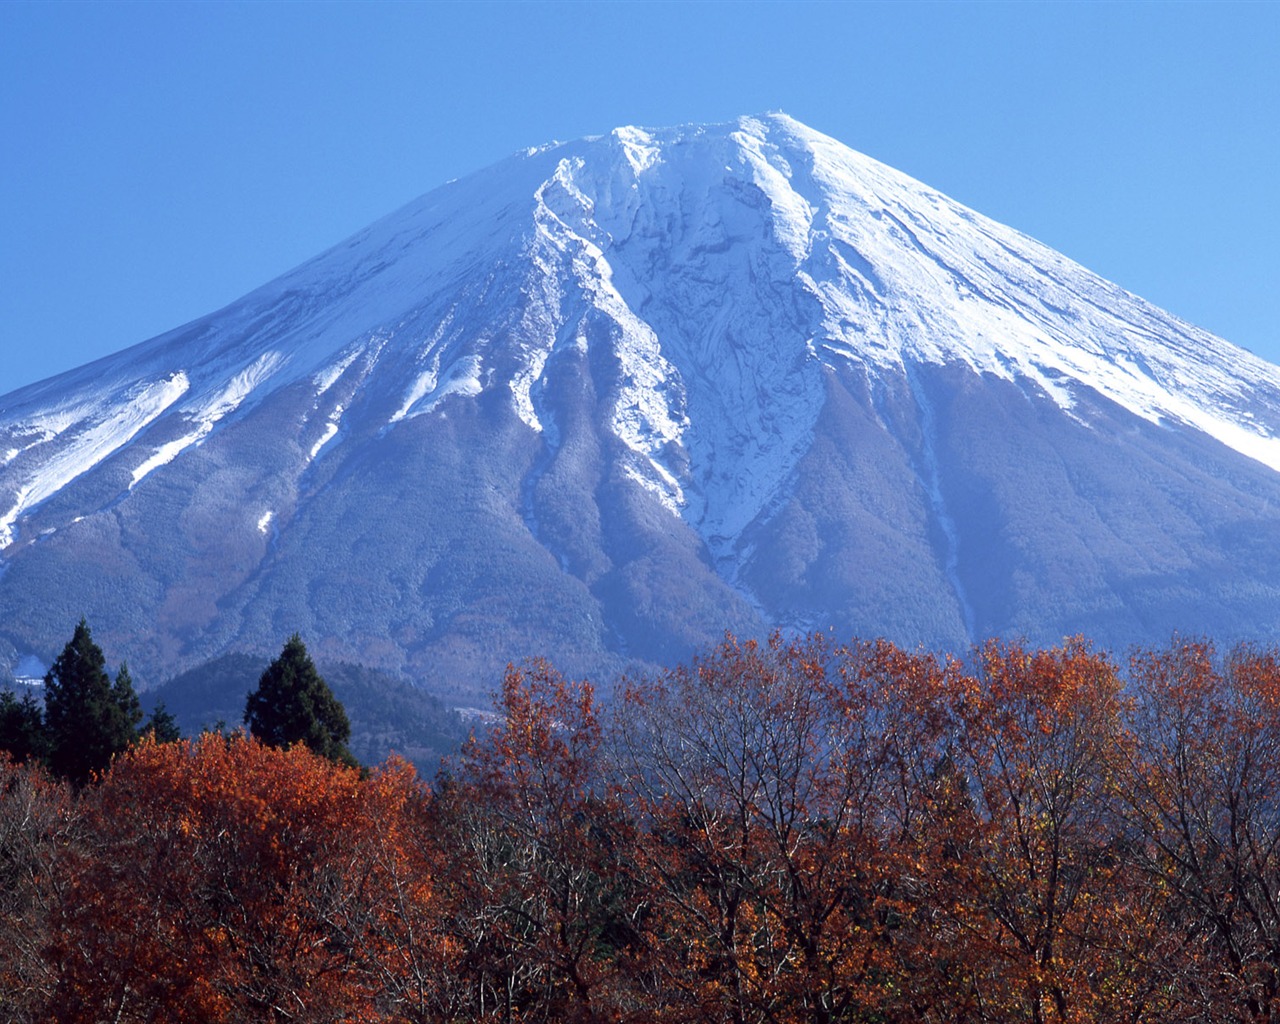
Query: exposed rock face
[609, 398]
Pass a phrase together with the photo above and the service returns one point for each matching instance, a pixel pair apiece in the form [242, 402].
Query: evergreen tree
[89, 719]
[293, 704]
[162, 725]
[123, 693]
[22, 731]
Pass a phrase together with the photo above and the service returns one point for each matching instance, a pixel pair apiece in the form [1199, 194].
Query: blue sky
[160, 160]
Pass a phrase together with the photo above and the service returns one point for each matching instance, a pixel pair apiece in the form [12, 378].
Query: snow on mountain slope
[204, 418]
[73, 439]
[678, 314]
[1005, 304]
[860, 263]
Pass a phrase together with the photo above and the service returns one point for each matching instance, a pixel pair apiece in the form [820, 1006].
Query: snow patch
[792, 214]
[330, 375]
[639, 148]
[522, 384]
[668, 492]
[30, 667]
[98, 435]
[463, 378]
[904, 273]
[645, 412]
[204, 419]
[162, 456]
[423, 385]
[330, 432]
[264, 522]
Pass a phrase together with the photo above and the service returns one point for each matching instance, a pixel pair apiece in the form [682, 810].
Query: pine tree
[89, 719]
[22, 731]
[126, 698]
[293, 704]
[162, 726]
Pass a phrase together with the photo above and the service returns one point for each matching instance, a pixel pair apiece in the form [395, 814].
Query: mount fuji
[609, 398]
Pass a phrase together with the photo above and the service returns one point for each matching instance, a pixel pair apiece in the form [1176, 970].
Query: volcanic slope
[611, 397]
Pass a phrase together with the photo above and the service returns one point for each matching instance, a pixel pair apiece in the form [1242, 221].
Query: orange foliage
[1023, 853]
[777, 783]
[39, 833]
[784, 831]
[1204, 798]
[536, 893]
[231, 881]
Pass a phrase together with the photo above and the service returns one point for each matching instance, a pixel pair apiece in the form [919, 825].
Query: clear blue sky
[159, 160]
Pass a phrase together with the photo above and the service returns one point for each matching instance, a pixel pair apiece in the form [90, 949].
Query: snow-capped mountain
[611, 397]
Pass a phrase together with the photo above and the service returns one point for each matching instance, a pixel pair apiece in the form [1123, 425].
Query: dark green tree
[22, 731]
[293, 704]
[162, 725]
[126, 697]
[88, 718]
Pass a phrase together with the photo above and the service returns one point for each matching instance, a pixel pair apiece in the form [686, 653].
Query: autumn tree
[773, 781]
[231, 881]
[786, 831]
[293, 704]
[89, 719]
[1203, 801]
[537, 894]
[40, 838]
[1025, 872]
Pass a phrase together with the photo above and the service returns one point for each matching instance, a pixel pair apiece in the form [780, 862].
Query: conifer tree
[22, 732]
[293, 704]
[126, 697]
[162, 726]
[88, 718]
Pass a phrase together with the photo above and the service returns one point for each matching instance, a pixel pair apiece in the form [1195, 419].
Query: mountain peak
[623, 355]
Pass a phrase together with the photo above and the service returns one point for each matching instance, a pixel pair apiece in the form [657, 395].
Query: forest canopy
[784, 831]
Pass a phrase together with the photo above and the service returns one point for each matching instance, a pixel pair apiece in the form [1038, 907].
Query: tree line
[779, 831]
[85, 719]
